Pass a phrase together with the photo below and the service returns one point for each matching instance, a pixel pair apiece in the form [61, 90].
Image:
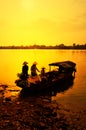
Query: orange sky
[49, 22]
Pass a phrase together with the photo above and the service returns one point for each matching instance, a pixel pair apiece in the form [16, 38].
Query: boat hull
[44, 85]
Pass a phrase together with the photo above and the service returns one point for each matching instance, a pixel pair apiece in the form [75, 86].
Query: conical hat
[25, 62]
[35, 63]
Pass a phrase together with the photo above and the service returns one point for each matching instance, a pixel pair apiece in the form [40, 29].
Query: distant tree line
[60, 46]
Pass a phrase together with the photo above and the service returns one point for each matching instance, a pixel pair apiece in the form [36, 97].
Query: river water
[11, 64]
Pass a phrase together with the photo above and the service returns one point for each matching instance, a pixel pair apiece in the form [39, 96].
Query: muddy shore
[34, 112]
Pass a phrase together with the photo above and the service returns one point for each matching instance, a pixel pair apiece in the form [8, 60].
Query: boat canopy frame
[64, 65]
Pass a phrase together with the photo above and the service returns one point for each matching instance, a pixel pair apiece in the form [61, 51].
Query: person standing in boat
[34, 69]
[25, 70]
[43, 71]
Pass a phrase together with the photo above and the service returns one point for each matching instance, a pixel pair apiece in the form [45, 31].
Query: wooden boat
[62, 72]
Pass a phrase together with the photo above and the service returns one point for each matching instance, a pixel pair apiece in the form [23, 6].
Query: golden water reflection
[11, 64]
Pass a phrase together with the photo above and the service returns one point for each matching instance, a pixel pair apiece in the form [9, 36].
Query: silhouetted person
[43, 71]
[34, 69]
[25, 70]
[60, 69]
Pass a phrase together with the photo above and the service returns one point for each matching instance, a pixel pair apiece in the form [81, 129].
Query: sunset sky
[49, 22]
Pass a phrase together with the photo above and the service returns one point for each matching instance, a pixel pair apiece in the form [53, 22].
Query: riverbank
[34, 112]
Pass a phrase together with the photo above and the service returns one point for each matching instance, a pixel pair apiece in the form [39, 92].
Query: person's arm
[37, 69]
